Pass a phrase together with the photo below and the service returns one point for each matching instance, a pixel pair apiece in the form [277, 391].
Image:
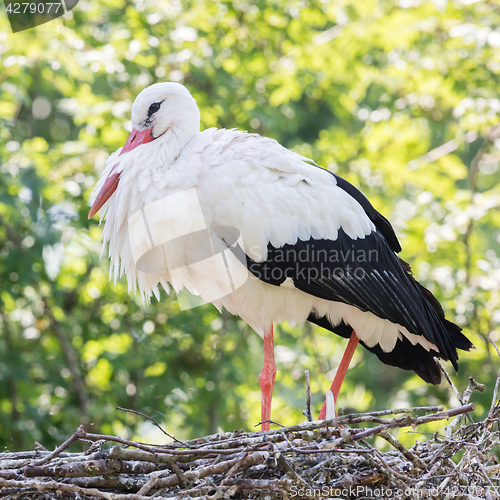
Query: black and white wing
[366, 273]
[306, 229]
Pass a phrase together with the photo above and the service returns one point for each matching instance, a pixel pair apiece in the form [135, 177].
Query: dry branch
[320, 459]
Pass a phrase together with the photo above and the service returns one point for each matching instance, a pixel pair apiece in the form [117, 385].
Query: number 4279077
[33, 8]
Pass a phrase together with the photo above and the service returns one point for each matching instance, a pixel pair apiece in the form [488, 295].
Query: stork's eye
[154, 108]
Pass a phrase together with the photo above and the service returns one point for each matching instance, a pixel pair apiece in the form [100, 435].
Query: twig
[390, 470]
[91, 468]
[156, 449]
[40, 447]
[291, 472]
[307, 411]
[266, 421]
[57, 486]
[373, 417]
[175, 469]
[145, 489]
[452, 385]
[233, 469]
[408, 421]
[448, 379]
[495, 390]
[483, 470]
[154, 422]
[473, 385]
[80, 432]
[252, 459]
[407, 453]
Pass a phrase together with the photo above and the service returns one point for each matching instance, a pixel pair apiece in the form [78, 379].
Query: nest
[318, 459]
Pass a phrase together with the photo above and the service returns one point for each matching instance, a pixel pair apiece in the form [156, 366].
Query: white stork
[310, 246]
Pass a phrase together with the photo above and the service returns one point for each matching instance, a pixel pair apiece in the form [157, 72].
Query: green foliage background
[401, 99]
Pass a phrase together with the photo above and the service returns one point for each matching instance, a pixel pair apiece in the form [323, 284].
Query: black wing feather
[365, 273]
[384, 286]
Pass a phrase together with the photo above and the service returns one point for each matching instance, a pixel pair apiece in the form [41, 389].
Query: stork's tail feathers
[458, 339]
[454, 333]
[429, 371]
[410, 356]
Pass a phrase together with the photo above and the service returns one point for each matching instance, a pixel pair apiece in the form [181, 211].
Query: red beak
[135, 139]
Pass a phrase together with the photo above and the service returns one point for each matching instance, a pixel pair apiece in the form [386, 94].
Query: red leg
[341, 371]
[266, 378]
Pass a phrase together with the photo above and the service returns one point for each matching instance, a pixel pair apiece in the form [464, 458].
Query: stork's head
[158, 109]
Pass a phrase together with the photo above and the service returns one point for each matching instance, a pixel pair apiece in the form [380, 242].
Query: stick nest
[322, 459]
[319, 459]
